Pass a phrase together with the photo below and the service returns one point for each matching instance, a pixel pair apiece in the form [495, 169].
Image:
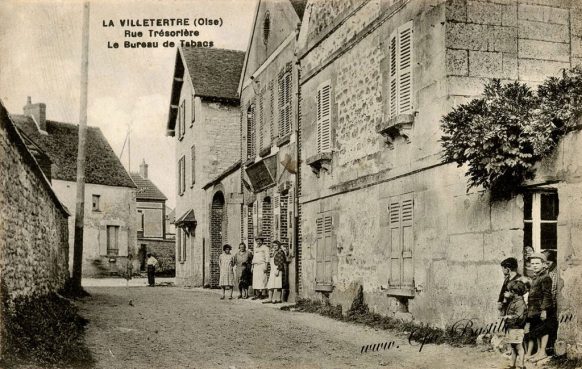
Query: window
[112, 240]
[326, 255]
[400, 75]
[181, 120]
[193, 111]
[140, 220]
[261, 125]
[181, 245]
[181, 175]
[285, 101]
[193, 164]
[400, 220]
[324, 118]
[266, 27]
[540, 220]
[96, 204]
[251, 131]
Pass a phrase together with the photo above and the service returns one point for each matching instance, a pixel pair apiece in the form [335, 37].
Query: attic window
[266, 27]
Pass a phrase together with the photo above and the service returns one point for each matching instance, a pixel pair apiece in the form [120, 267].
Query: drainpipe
[297, 144]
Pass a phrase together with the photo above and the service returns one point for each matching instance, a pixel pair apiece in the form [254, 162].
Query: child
[245, 280]
[515, 315]
[226, 262]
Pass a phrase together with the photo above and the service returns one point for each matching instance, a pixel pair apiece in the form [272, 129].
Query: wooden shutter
[193, 110]
[103, 240]
[184, 244]
[407, 204]
[183, 173]
[329, 248]
[395, 242]
[179, 244]
[193, 164]
[405, 69]
[393, 76]
[122, 241]
[320, 252]
[260, 126]
[401, 221]
[324, 118]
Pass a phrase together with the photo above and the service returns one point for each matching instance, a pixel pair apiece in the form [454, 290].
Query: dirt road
[169, 327]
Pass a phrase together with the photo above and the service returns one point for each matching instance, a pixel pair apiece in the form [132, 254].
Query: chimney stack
[143, 169]
[37, 112]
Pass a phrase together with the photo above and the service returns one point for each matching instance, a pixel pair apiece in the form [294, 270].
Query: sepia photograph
[310, 184]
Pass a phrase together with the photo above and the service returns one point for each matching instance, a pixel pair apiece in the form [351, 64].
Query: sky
[129, 89]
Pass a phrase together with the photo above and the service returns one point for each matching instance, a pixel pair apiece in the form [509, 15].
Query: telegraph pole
[81, 158]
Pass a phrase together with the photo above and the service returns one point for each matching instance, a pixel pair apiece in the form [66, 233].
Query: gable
[274, 21]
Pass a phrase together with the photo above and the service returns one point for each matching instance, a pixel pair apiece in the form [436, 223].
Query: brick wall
[34, 248]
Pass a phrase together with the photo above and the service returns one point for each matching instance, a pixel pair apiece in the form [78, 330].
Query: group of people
[528, 305]
[265, 269]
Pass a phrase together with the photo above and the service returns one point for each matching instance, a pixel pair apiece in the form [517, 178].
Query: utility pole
[81, 158]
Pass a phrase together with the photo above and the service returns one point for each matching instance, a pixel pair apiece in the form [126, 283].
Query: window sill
[182, 261]
[324, 287]
[249, 162]
[320, 161]
[284, 139]
[192, 185]
[401, 292]
[180, 138]
[398, 126]
[264, 152]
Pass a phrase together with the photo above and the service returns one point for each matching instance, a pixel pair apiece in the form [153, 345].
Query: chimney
[37, 112]
[143, 169]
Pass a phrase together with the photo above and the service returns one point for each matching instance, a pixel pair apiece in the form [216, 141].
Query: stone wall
[163, 250]
[459, 237]
[33, 247]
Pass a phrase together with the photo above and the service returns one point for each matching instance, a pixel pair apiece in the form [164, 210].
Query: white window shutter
[393, 77]
[405, 69]
[324, 118]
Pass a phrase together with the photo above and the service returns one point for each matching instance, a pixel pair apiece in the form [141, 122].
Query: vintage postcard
[291, 184]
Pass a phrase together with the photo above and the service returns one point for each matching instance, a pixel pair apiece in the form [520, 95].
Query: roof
[215, 74]
[60, 144]
[19, 142]
[146, 189]
[223, 175]
[299, 6]
[186, 218]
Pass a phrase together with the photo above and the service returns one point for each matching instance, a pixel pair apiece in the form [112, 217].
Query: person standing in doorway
[260, 262]
[151, 263]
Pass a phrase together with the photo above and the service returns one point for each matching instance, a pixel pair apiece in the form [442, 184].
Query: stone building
[378, 206]
[109, 224]
[268, 91]
[151, 224]
[34, 245]
[204, 118]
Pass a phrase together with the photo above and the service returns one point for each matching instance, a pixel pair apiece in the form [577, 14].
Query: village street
[170, 327]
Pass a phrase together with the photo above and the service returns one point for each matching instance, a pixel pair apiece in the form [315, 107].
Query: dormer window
[266, 27]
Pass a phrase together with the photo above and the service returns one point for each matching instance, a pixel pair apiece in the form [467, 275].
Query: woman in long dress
[242, 261]
[275, 283]
[260, 262]
[226, 262]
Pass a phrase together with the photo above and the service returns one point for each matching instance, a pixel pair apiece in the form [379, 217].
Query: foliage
[502, 135]
[46, 331]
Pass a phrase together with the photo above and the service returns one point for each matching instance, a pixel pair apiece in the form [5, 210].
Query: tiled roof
[214, 72]
[146, 189]
[103, 167]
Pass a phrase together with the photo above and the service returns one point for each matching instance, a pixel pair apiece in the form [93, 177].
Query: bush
[46, 331]
[502, 135]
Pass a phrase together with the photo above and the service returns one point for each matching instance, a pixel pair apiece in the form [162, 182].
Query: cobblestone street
[170, 327]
